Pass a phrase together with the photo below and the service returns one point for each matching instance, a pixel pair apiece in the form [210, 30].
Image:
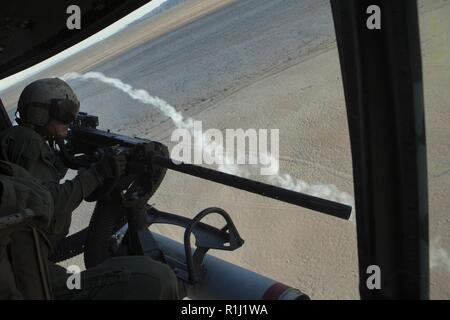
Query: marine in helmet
[49, 106]
[45, 110]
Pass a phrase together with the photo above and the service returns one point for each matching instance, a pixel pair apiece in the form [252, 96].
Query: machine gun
[125, 200]
[145, 156]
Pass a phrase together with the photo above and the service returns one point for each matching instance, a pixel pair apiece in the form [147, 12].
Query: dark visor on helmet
[63, 110]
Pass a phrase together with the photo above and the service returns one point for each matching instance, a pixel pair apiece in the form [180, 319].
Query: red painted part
[275, 291]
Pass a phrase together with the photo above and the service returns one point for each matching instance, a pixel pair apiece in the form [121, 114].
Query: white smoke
[439, 257]
[229, 165]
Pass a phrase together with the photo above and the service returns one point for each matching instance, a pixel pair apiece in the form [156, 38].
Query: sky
[103, 34]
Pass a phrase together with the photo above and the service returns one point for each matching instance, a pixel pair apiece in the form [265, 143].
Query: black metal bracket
[206, 236]
[139, 240]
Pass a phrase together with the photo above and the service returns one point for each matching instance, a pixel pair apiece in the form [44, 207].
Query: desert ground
[264, 64]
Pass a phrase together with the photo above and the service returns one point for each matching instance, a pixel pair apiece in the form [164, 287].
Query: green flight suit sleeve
[67, 197]
[25, 147]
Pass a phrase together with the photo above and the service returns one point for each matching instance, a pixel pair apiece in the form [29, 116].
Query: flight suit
[26, 148]
[117, 278]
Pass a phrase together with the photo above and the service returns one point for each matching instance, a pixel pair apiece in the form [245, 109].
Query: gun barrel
[329, 207]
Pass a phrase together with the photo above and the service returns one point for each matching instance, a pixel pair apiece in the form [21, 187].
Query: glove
[111, 166]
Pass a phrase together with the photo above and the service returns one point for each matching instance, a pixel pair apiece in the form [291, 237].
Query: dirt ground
[303, 97]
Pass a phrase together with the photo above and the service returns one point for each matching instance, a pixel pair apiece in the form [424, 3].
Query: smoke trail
[439, 257]
[137, 94]
[166, 109]
[204, 145]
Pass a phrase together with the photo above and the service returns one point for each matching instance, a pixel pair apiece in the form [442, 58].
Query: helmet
[47, 98]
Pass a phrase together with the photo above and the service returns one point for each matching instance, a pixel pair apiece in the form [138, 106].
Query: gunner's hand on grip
[111, 166]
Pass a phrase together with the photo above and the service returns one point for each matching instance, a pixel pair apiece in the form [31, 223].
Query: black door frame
[382, 77]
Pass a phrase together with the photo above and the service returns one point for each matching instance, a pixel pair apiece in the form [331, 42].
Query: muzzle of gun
[329, 207]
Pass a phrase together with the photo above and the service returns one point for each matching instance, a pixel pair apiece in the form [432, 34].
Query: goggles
[63, 110]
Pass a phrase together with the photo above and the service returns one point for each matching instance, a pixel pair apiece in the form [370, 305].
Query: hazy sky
[115, 27]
